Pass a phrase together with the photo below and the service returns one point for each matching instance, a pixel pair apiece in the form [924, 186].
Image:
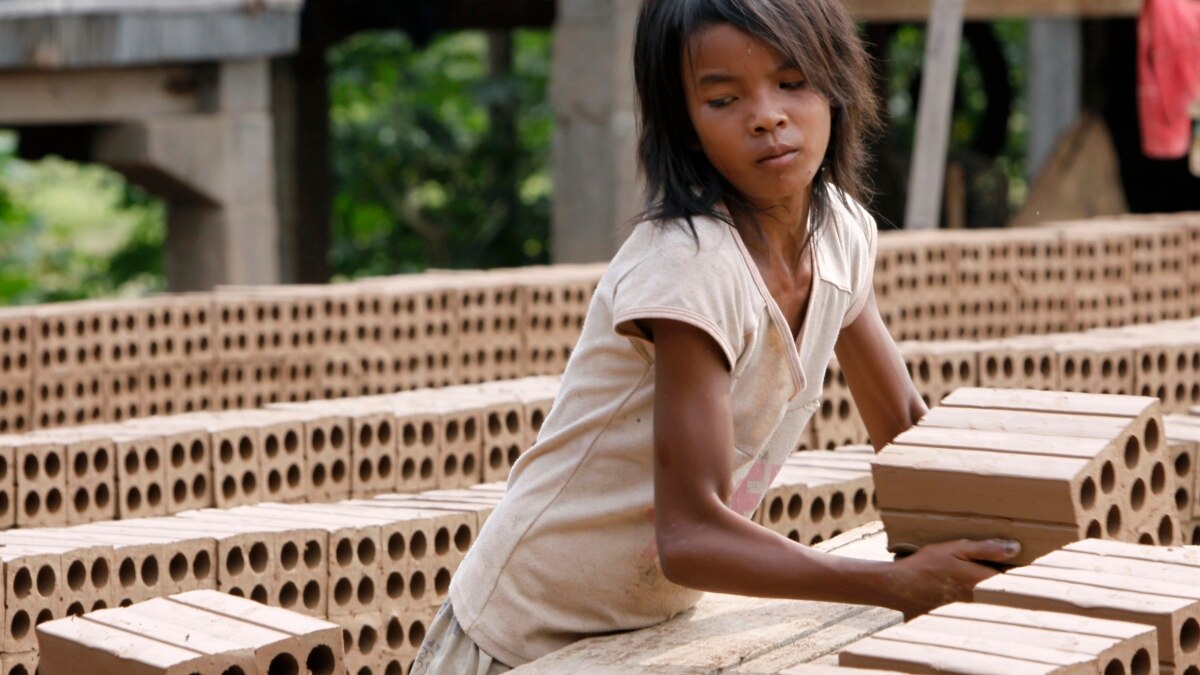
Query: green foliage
[438, 164]
[70, 231]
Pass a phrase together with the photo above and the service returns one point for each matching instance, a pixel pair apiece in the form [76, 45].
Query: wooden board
[727, 633]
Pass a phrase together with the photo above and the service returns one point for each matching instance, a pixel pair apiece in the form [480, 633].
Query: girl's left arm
[882, 389]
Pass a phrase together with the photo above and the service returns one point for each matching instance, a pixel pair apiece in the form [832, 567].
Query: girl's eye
[794, 84]
[720, 102]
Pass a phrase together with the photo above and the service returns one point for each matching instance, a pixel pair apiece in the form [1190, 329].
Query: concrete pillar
[596, 188]
[215, 170]
[1055, 85]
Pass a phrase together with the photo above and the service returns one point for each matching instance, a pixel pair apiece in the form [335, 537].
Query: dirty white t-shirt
[570, 551]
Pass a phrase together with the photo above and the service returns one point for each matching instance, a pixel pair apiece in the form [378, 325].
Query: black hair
[818, 37]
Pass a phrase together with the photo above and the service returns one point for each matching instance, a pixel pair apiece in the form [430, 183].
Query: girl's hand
[940, 574]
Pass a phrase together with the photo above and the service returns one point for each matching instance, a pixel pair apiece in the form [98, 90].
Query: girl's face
[759, 122]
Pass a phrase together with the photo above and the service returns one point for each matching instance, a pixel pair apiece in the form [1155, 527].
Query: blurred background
[424, 136]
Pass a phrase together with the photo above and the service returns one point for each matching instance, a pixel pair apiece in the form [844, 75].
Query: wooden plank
[754, 635]
[926, 182]
[888, 11]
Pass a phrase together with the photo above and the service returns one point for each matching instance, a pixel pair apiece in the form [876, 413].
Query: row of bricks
[1160, 360]
[379, 567]
[193, 633]
[319, 451]
[1086, 465]
[1060, 277]
[93, 361]
[85, 362]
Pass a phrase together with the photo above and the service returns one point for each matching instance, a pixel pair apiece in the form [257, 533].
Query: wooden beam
[896, 11]
[101, 95]
[942, 42]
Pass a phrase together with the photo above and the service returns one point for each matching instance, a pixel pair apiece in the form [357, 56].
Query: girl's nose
[769, 121]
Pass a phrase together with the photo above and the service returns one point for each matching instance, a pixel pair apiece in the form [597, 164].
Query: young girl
[702, 356]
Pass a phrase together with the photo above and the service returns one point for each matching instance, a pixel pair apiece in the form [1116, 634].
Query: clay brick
[491, 346]
[458, 431]
[236, 456]
[339, 375]
[8, 494]
[1173, 609]
[32, 593]
[19, 663]
[938, 368]
[76, 645]
[71, 336]
[1018, 363]
[89, 457]
[402, 633]
[153, 557]
[301, 562]
[16, 404]
[418, 451]
[244, 555]
[326, 446]
[314, 642]
[409, 568]
[837, 422]
[556, 303]
[281, 453]
[362, 643]
[67, 398]
[87, 568]
[818, 495]
[39, 480]
[354, 553]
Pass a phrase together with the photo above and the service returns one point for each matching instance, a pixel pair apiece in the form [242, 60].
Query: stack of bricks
[194, 632]
[1152, 586]
[379, 568]
[820, 494]
[1183, 442]
[1086, 466]
[975, 638]
[16, 371]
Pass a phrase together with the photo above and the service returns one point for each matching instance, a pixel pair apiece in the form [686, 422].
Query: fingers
[989, 550]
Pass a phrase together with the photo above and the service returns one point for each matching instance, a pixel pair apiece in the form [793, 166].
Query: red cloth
[1168, 74]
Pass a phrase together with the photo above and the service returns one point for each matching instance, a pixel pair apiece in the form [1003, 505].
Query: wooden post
[942, 41]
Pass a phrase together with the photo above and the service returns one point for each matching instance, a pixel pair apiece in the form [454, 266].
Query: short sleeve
[862, 253]
[697, 283]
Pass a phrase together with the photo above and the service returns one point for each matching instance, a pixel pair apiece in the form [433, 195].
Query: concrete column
[596, 188]
[215, 170]
[1055, 74]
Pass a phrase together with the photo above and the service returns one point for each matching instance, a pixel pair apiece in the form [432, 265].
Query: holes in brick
[337, 472]
[200, 486]
[289, 556]
[153, 495]
[99, 573]
[177, 567]
[249, 483]
[337, 438]
[20, 624]
[1108, 478]
[274, 481]
[342, 592]
[312, 594]
[468, 465]
[272, 445]
[259, 557]
[366, 591]
[312, 554]
[150, 571]
[317, 442]
[289, 595]
[1166, 531]
[76, 575]
[285, 664]
[235, 561]
[1133, 452]
[1189, 636]
[1140, 663]
[1182, 499]
[318, 475]
[416, 585]
[366, 551]
[816, 511]
[1158, 478]
[127, 572]
[495, 458]
[1152, 435]
[259, 594]
[344, 552]
[133, 499]
[441, 541]
[1112, 522]
[837, 505]
[1087, 493]
[462, 538]
[795, 508]
[1183, 465]
[245, 448]
[1137, 495]
[514, 453]
[441, 582]
[418, 545]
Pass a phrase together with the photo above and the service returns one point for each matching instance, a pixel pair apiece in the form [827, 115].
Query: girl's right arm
[704, 544]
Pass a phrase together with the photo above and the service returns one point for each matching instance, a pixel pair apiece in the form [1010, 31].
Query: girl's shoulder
[704, 241]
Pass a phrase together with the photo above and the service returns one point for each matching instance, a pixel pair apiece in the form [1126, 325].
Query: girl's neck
[782, 227]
